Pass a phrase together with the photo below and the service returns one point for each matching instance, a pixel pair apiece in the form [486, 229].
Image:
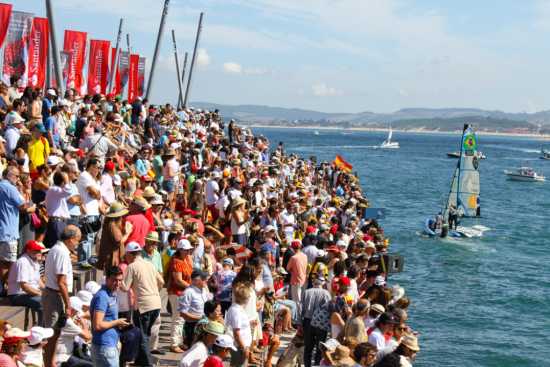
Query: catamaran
[463, 200]
[388, 144]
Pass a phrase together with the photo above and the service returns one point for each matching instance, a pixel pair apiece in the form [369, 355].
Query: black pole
[114, 63]
[177, 67]
[55, 52]
[157, 48]
[180, 101]
[193, 59]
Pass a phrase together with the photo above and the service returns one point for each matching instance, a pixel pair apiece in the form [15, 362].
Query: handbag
[35, 221]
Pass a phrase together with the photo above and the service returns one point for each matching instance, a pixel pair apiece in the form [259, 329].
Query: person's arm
[184, 309]
[128, 280]
[99, 323]
[177, 278]
[160, 280]
[27, 288]
[94, 192]
[63, 289]
[238, 341]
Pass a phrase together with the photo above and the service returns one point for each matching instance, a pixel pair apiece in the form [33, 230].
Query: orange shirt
[297, 267]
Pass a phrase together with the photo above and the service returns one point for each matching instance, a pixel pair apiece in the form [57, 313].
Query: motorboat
[526, 174]
[478, 155]
[388, 144]
[545, 154]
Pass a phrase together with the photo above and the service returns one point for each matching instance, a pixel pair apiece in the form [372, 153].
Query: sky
[337, 55]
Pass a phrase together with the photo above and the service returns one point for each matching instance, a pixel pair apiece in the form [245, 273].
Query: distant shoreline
[408, 131]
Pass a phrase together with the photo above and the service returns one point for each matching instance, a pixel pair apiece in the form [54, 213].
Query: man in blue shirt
[105, 321]
[11, 202]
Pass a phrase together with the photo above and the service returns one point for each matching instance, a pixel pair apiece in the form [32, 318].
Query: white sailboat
[463, 200]
[388, 144]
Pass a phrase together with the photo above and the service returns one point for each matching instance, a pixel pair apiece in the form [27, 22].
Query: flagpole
[180, 101]
[177, 67]
[157, 48]
[114, 63]
[193, 59]
[49, 67]
[55, 52]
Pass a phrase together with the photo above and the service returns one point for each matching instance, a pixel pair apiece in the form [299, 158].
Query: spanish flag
[341, 164]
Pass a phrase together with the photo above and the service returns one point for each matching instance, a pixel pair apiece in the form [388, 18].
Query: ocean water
[479, 302]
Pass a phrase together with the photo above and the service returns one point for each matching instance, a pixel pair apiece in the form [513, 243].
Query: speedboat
[545, 154]
[388, 144]
[524, 174]
[478, 155]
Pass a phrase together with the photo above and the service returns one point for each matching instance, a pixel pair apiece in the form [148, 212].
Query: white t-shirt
[24, 270]
[84, 181]
[212, 189]
[171, 165]
[56, 201]
[377, 339]
[65, 345]
[221, 205]
[311, 252]
[236, 318]
[58, 262]
[195, 356]
[107, 190]
[192, 300]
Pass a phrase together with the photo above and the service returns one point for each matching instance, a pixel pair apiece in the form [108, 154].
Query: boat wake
[515, 149]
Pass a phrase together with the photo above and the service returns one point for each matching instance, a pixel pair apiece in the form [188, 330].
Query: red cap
[344, 281]
[190, 212]
[296, 244]
[33, 245]
[310, 229]
[109, 166]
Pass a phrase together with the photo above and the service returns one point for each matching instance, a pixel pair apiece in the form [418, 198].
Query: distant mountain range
[440, 119]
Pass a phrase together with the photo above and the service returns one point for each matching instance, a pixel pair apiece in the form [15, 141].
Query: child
[221, 351]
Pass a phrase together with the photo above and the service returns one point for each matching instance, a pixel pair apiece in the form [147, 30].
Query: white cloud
[323, 90]
[203, 58]
[403, 92]
[232, 68]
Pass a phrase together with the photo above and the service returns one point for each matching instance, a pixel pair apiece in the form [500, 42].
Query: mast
[193, 59]
[114, 62]
[460, 164]
[180, 96]
[55, 52]
[157, 48]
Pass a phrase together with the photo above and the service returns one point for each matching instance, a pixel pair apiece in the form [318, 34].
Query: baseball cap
[296, 244]
[228, 261]
[269, 228]
[184, 244]
[51, 92]
[109, 166]
[33, 245]
[38, 334]
[54, 160]
[133, 247]
[199, 273]
[310, 229]
[225, 341]
[344, 281]
[40, 127]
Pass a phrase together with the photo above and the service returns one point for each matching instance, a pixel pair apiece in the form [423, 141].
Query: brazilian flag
[469, 143]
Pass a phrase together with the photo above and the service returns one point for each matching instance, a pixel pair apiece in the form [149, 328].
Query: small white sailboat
[316, 132]
[463, 200]
[526, 174]
[388, 144]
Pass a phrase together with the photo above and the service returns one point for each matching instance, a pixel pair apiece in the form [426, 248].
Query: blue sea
[478, 302]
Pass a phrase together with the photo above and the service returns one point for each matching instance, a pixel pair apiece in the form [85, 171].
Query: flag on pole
[5, 14]
[75, 46]
[15, 50]
[341, 164]
[98, 66]
[38, 52]
[133, 78]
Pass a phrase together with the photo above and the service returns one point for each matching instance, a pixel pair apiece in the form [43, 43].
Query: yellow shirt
[38, 151]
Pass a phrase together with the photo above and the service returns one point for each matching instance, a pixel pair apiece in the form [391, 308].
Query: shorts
[8, 251]
[169, 186]
[54, 309]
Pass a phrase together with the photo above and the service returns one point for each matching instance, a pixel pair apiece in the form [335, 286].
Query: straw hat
[239, 201]
[152, 237]
[411, 342]
[141, 202]
[214, 328]
[341, 356]
[170, 152]
[148, 192]
[117, 210]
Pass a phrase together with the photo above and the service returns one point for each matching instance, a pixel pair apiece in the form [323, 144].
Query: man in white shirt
[213, 194]
[289, 221]
[15, 123]
[59, 284]
[24, 282]
[57, 207]
[384, 324]
[107, 188]
[90, 193]
[191, 303]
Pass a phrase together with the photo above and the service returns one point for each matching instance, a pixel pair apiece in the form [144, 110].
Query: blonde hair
[241, 292]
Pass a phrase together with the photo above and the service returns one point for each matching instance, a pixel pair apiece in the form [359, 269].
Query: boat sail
[463, 200]
[388, 144]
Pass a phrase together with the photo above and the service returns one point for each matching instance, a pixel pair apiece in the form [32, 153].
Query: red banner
[5, 13]
[117, 84]
[15, 50]
[141, 76]
[75, 46]
[38, 52]
[133, 80]
[98, 66]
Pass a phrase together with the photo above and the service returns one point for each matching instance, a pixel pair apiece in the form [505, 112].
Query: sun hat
[54, 160]
[13, 335]
[157, 200]
[92, 287]
[170, 152]
[152, 237]
[148, 192]
[225, 341]
[141, 202]
[214, 328]
[341, 356]
[378, 308]
[228, 261]
[38, 334]
[75, 303]
[133, 247]
[85, 296]
[116, 210]
[411, 342]
[239, 201]
[33, 245]
[184, 244]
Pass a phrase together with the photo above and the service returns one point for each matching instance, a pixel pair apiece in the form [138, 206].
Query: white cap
[38, 334]
[269, 228]
[331, 344]
[76, 303]
[54, 160]
[184, 244]
[133, 247]
[225, 341]
[379, 280]
[13, 118]
[85, 297]
[51, 92]
[92, 287]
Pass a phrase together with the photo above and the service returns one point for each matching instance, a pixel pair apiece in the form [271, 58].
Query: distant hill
[441, 119]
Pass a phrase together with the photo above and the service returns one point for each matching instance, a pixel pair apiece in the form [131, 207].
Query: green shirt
[155, 259]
